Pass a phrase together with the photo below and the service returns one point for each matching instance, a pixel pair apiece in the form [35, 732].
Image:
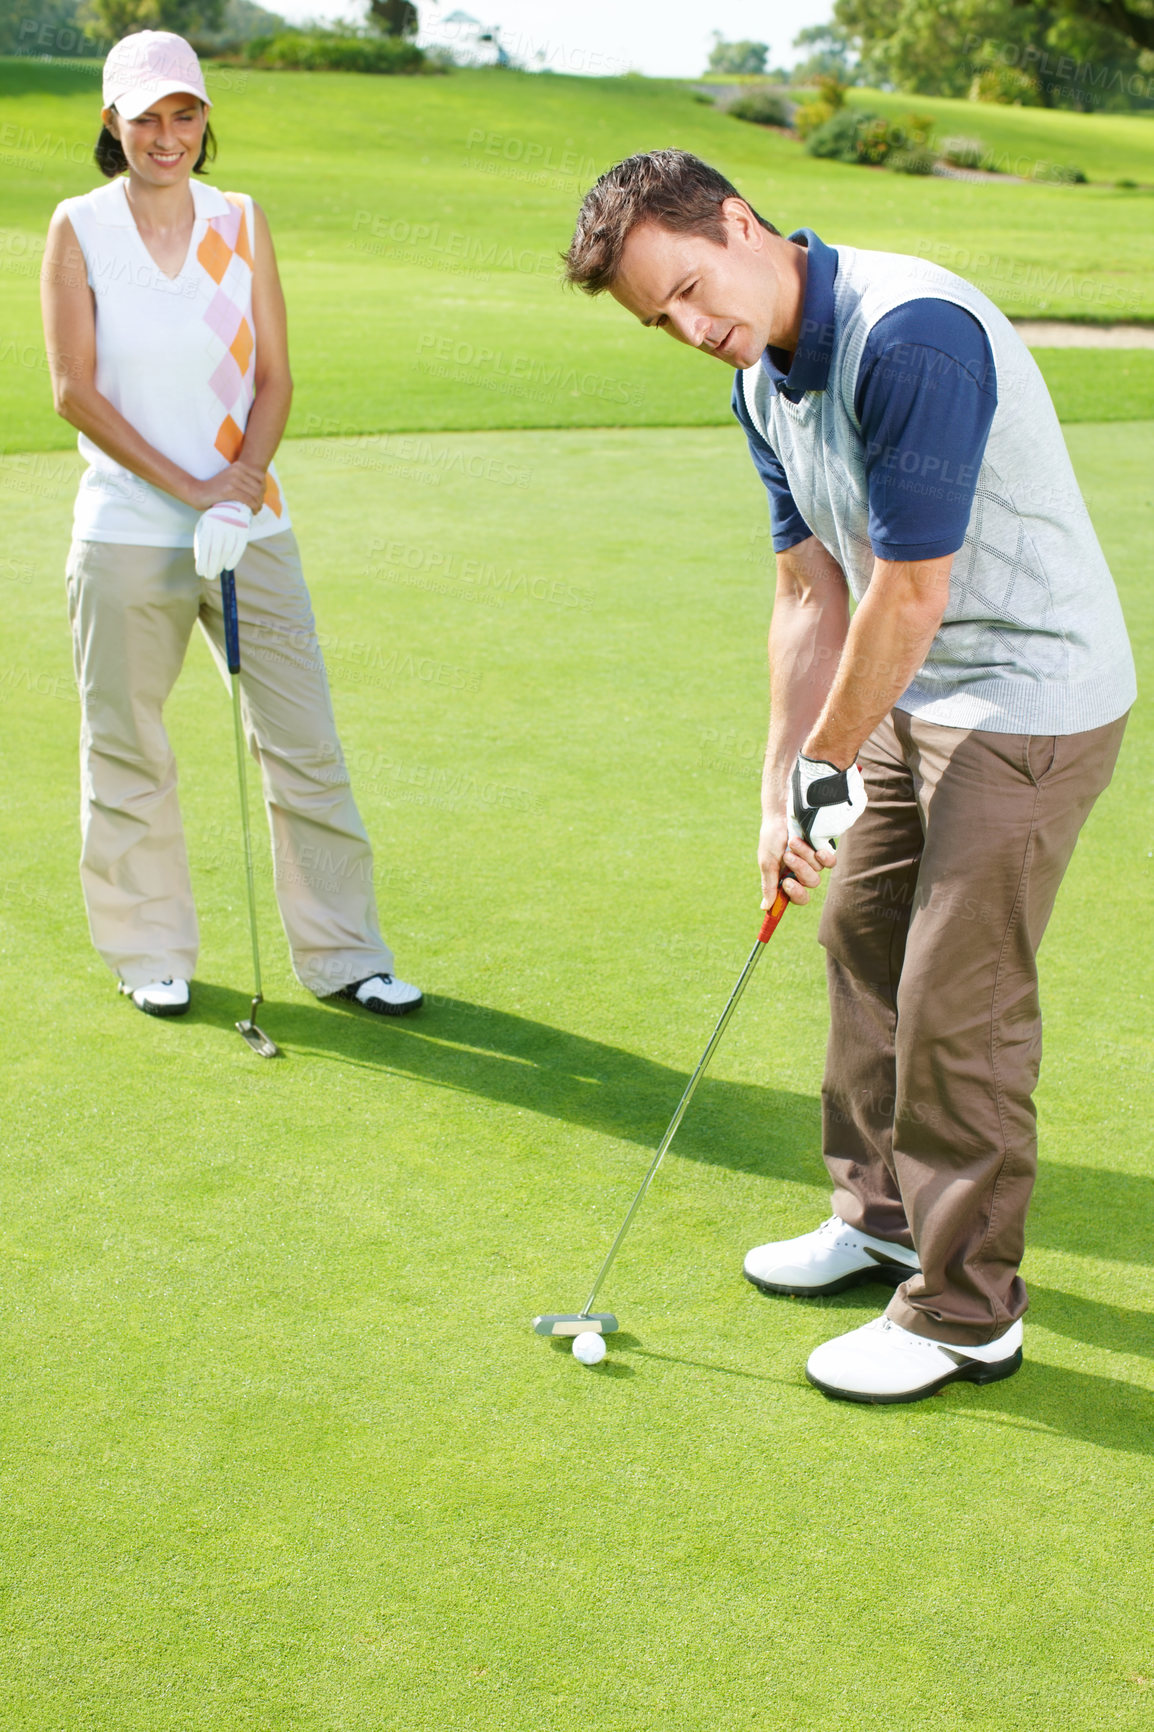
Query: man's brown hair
[668, 187]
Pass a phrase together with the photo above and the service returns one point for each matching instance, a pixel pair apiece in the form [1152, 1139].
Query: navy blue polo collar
[809, 368]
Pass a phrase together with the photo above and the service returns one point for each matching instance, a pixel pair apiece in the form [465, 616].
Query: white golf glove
[220, 537]
[824, 801]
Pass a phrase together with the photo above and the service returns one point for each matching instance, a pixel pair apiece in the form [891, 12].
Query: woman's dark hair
[110, 158]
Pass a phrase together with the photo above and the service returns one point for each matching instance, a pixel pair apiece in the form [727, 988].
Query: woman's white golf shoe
[828, 1260]
[159, 997]
[385, 994]
[882, 1362]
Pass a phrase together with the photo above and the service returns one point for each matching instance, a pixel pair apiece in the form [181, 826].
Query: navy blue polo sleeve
[786, 523]
[925, 397]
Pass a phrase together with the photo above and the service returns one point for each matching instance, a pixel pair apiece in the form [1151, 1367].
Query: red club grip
[770, 924]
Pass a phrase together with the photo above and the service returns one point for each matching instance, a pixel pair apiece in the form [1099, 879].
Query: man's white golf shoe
[882, 1362]
[828, 1260]
[159, 997]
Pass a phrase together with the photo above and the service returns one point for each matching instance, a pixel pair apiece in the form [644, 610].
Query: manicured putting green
[279, 1447]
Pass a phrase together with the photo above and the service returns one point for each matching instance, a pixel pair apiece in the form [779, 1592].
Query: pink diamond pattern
[223, 316]
[228, 227]
[228, 383]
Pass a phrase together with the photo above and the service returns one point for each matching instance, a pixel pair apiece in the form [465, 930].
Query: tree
[243, 21]
[393, 17]
[1133, 20]
[927, 46]
[939, 47]
[56, 27]
[117, 18]
[740, 59]
[829, 48]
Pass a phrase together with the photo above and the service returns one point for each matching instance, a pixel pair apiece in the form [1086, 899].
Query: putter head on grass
[258, 1040]
[572, 1323]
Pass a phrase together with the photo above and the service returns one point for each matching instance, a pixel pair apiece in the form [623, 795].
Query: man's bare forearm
[806, 639]
[888, 640]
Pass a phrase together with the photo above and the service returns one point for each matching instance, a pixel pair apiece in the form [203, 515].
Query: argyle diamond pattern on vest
[226, 254]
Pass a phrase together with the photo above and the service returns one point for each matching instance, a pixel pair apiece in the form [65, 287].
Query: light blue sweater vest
[1033, 640]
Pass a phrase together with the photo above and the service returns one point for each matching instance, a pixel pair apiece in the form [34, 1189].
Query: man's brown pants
[932, 924]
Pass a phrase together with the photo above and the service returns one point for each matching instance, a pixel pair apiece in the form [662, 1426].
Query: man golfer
[963, 720]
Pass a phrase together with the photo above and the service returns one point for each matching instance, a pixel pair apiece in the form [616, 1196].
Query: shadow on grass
[708, 1365]
[1096, 1213]
[476, 1050]
[1111, 1326]
[1098, 1410]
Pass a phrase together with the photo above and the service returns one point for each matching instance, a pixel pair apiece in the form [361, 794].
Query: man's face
[726, 301]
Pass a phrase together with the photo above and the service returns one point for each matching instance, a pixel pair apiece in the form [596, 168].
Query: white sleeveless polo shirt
[176, 357]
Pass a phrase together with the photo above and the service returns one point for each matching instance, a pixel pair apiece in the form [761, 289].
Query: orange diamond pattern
[243, 250]
[272, 495]
[229, 439]
[214, 253]
[241, 346]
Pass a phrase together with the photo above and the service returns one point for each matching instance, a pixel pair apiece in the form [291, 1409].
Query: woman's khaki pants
[133, 610]
[935, 912]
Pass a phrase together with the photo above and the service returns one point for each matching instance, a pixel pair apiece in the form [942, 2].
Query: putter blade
[572, 1323]
[258, 1040]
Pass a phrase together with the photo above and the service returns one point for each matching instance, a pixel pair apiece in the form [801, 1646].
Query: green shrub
[761, 107]
[915, 160]
[855, 135]
[815, 113]
[1127, 185]
[876, 138]
[1058, 174]
[322, 51]
[1006, 84]
[836, 138]
[810, 117]
[962, 152]
[918, 129]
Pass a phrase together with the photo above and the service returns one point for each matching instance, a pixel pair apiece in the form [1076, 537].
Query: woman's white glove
[220, 537]
[823, 800]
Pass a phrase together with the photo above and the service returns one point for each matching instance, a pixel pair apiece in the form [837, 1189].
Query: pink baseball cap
[147, 65]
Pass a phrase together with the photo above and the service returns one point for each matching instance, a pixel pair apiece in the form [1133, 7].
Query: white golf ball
[589, 1347]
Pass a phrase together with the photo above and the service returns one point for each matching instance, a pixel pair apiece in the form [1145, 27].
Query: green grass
[279, 1450]
[420, 262]
[1099, 384]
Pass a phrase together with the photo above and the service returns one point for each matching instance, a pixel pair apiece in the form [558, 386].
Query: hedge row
[318, 51]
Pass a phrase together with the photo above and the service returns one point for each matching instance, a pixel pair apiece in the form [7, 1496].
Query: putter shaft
[246, 829]
[768, 927]
[256, 1037]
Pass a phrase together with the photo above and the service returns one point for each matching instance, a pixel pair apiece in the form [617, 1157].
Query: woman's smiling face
[161, 145]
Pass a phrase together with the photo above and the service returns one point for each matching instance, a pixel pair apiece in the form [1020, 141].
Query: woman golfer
[165, 328]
